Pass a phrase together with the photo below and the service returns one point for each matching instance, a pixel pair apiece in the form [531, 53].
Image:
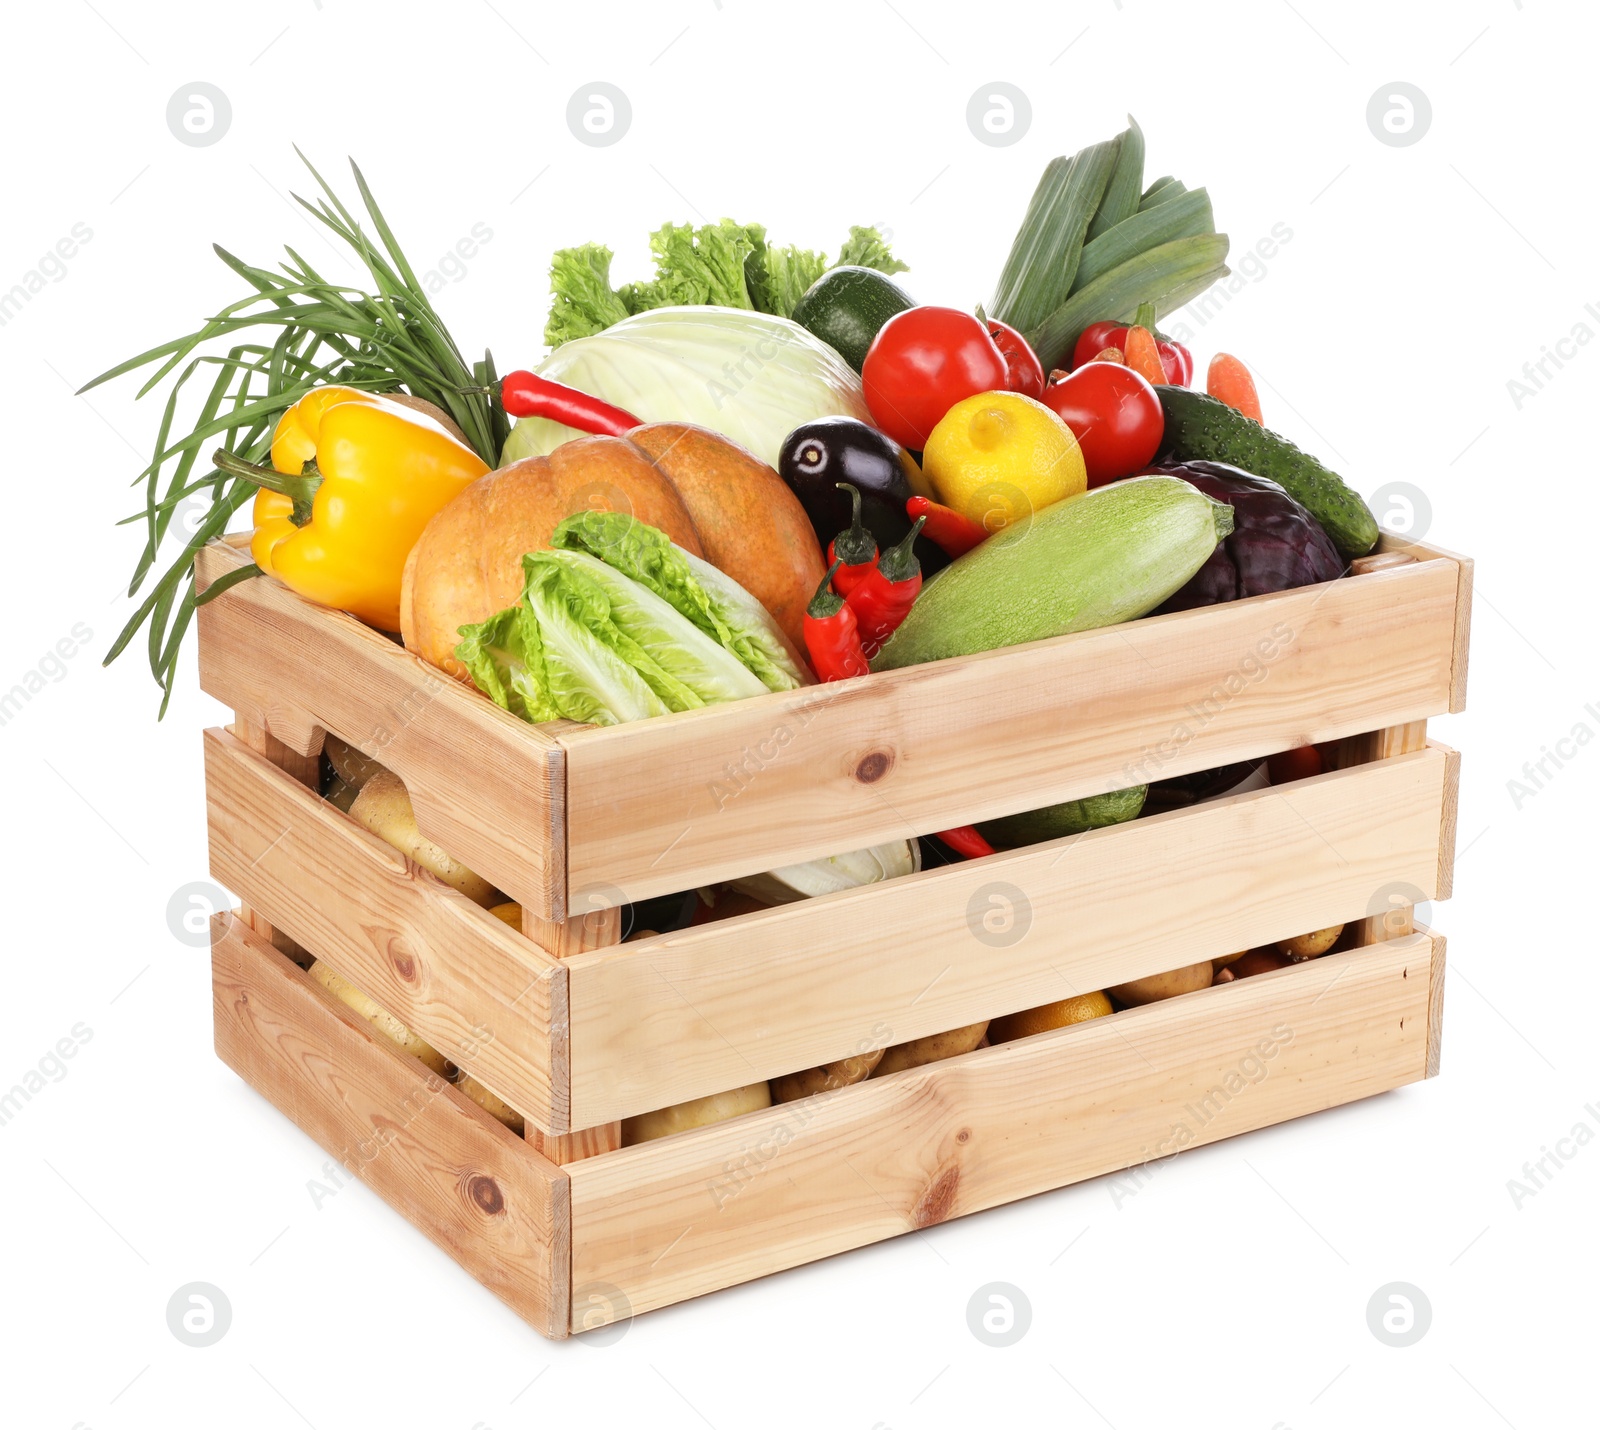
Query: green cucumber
[1056, 821]
[1110, 555]
[847, 306]
[1199, 428]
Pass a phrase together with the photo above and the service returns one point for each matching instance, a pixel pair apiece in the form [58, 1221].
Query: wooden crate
[576, 1031]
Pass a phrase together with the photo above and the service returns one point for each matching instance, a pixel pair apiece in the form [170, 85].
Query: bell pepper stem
[299, 489]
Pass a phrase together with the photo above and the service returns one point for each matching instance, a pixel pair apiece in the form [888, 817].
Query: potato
[490, 1103]
[1310, 945]
[1259, 960]
[384, 807]
[1061, 1014]
[936, 1047]
[699, 1112]
[793, 1086]
[1164, 985]
[1228, 958]
[353, 766]
[390, 1028]
[340, 795]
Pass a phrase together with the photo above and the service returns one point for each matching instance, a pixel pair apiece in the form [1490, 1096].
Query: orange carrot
[1228, 380]
[1139, 348]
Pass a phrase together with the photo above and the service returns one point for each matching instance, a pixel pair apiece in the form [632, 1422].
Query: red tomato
[1095, 339]
[1024, 371]
[1115, 415]
[1176, 361]
[923, 362]
[1289, 765]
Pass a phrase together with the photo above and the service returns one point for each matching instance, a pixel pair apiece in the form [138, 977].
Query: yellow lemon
[998, 456]
[1052, 1015]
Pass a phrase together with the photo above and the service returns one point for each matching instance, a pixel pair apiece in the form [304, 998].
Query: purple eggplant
[1276, 543]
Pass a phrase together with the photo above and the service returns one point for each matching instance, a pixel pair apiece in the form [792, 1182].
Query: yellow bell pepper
[354, 479]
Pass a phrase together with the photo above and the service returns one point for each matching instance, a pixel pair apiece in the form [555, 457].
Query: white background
[1232, 1290]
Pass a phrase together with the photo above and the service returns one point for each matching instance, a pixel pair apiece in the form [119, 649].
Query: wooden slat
[703, 1009]
[563, 1148]
[671, 1219]
[1444, 884]
[450, 1169]
[478, 991]
[661, 804]
[305, 768]
[1435, 1000]
[1382, 745]
[563, 939]
[484, 786]
[1463, 620]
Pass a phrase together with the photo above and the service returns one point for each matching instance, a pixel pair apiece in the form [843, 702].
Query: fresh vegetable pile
[756, 470]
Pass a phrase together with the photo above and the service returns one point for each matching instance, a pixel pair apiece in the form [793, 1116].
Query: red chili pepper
[832, 640]
[854, 548]
[1024, 372]
[883, 597]
[526, 394]
[953, 533]
[967, 842]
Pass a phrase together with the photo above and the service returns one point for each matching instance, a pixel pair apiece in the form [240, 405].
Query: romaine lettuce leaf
[589, 643]
[696, 590]
[679, 661]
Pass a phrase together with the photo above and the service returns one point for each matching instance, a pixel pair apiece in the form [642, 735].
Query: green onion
[1156, 274]
[305, 331]
[1163, 191]
[1122, 193]
[1186, 216]
[1044, 255]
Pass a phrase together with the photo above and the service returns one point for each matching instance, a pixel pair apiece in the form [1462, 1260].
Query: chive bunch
[304, 331]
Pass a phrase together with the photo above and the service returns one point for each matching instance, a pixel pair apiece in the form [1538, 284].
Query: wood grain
[687, 1214]
[1435, 1001]
[306, 769]
[1444, 884]
[476, 990]
[484, 785]
[563, 939]
[444, 1164]
[564, 1148]
[718, 1006]
[1421, 551]
[659, 805]
[1382, 745]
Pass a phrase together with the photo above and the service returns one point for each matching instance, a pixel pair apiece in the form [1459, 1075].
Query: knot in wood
[404, 964]
[936, 1204]
[874, 766]
[485, 1194]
